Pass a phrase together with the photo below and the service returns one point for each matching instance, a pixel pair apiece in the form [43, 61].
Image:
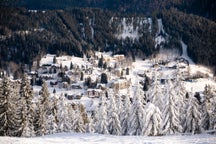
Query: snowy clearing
[76, 138]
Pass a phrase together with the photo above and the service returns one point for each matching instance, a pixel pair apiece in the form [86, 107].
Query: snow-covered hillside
[74, 138]
[131, 27]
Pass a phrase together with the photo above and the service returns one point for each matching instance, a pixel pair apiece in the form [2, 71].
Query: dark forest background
[58, 30]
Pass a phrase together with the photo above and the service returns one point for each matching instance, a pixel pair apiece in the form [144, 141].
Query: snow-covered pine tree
[71, 115]
[180, 93]
[55, 114]
[156, 95]
[37, 119]
[78, 123]
[5, 93]
[64, 124]
[193, 116]
[15, 114]
[47, 105]
[171, 116]
[119, 104]
[102, 122]
[137, 113]
[52, 120]
[213, 115]
[125, 118]
[205, 115]
[90, 125]
[114, 126]
[183, 118]
[153, 120]
[26, 92]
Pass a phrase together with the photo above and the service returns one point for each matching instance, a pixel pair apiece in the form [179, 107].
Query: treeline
[151, 111]
[199, 7]
[197, 32]
[22, 113]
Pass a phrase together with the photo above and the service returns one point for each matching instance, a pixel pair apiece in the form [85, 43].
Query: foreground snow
[74, 138]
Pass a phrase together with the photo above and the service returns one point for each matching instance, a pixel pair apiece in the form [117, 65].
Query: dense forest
[199, 7]
[26, 35]
[199, 33]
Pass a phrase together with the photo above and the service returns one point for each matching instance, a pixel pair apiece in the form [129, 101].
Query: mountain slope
[198, 33]
[28, 34]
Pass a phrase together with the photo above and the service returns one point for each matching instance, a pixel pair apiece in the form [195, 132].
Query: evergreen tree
[52, 121]
[71, 115]
[114, 125]
[100, 62]
[105, 65]
[156, 96]
[64, 124]
[127, 71]
[102, 123]
[125, 117]
[180, 93]
[15, 113]
[205, 115]
[213, 114]
[41, 123]
[81, 76]
[54, 60]
[47, 110]
[90, 126]
[5, 93]
[26, 92]
[71, 66]
[145, 87]
[193, 117]
[104, 78]
[171, 119]
[153, 120]
[119, 104]
[146, 84]
[137, 114]
[78, 123]
[37, 120]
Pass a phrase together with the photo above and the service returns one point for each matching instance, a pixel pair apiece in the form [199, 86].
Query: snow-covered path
[73, 138]
[185, 53]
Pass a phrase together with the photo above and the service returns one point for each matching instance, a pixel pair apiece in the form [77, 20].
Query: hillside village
[85, 80]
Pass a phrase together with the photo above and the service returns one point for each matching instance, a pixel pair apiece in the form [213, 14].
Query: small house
[120, 84]
[94, 93]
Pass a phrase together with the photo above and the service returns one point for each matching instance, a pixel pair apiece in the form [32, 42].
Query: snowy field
[74, 138]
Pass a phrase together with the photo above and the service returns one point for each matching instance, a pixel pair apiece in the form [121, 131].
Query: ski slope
[76, 138]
